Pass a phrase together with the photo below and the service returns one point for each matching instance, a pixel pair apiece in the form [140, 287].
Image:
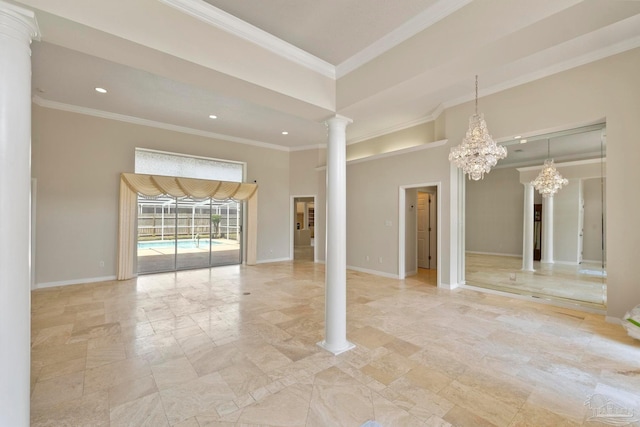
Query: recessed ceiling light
[101, 90]
[213, 116]
[523, 141]
[517, 137]
[284, 132]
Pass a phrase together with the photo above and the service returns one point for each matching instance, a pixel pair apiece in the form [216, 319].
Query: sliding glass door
[179, 234]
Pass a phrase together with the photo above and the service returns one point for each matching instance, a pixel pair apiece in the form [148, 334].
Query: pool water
[182, 244]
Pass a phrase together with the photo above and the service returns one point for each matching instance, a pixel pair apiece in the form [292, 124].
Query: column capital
[338, 120]
[18, 22]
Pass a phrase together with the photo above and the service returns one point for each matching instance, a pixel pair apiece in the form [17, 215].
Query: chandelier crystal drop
[549, 180]
[478, 152]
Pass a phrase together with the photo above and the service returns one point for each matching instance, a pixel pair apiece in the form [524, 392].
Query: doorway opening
[419, 246]
[303, 228]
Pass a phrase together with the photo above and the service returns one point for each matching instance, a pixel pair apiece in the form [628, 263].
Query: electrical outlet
[101, 263]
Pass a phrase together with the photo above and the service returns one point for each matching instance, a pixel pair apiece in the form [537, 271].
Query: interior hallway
[236, 345]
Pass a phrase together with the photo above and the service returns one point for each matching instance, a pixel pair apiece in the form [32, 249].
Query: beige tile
[145, 411]
[107, 376]
[53, 336]
[105, 354]
[88, 410]
[195, 397]
[56, 390]
[333, 405]
[458, 416]
[131, 390]
[388, 368]
[288, 407]
[423, 356]
[173, 372]
[61, 368]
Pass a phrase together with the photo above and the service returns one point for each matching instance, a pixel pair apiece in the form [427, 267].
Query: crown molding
[602, 160]
[229, 23]
[392, 129]
[427, 146]
[151, 123]
[418, 23]
[587, 58]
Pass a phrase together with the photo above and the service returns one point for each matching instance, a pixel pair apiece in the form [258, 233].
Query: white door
[423, 230]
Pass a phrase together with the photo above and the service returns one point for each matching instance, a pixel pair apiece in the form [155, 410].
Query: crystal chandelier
[549, 181]
[478, 152]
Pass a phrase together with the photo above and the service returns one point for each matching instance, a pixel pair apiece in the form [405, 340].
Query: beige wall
[494, 213]
[373, 202]
[406, 138]
[77, 160]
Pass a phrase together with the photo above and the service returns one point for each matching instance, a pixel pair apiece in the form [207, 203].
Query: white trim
[402, 151]
[308, 147]
[75, 282]
[233, 25]
[34, 201]
[151, 123]
[494, 254]
[268, 261]
[292, 227]
[549, 71]
[450, 286]
[374, 272]
[418, 23]
[402, 196]
[614, 320]
[399, 152]
[392, 129]
[561, 165]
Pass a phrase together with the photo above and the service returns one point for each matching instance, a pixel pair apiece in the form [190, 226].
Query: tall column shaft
[17, 28]
[336, 246]
[547, 230]
[527, 238]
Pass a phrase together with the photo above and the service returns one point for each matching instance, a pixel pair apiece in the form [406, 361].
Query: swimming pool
[182, 244]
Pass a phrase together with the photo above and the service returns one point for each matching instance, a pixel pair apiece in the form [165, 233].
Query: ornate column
[547, 229]
[18, 27]
[335, 317]
[527, 238]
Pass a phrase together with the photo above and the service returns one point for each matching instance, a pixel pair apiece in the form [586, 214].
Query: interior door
[423, 230]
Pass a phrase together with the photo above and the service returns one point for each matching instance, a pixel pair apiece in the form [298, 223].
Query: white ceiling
[288, 65]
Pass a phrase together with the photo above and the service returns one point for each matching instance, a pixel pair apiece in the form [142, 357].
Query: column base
[544, 261]
[346, 346]
[528, 269]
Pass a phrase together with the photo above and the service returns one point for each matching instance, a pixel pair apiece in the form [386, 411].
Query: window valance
[156, 185]
[132, 184]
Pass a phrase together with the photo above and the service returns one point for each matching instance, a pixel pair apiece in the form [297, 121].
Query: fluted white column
[17, 28]
[547, 230]
[527, 238]
[335, 318]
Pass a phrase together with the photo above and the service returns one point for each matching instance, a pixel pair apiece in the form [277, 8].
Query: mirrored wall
[567, 260]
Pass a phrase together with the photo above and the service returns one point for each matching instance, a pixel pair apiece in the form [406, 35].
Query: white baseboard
[614, 320]
[450, 286]
[74, 282]
[494, 254]
[268, 261]
[374, 272]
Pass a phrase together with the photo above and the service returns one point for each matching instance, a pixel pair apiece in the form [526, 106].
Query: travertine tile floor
[236, 346]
